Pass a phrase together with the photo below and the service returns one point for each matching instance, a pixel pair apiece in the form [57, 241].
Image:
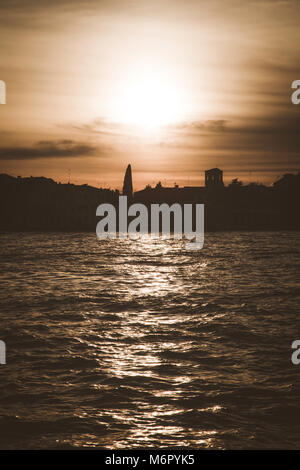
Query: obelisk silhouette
[127, 185]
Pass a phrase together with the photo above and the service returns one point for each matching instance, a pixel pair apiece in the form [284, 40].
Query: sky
[172, 87]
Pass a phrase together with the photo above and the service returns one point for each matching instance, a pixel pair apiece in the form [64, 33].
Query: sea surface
[141, 344]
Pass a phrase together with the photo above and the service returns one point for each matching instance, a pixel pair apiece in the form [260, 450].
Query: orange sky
[172, 87]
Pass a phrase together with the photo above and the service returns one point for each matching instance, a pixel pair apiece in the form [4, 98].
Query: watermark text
[2, 92]
[296, 354]
[183, 222]
[2, 352]
[296, 94]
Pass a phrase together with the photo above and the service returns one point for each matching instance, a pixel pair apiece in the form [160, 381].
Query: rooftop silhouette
[39, 203]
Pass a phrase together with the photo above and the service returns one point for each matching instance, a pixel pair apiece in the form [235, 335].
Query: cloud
[209, 125]
[273, 134]
[111, 128]
[99, 126]
[49, 149]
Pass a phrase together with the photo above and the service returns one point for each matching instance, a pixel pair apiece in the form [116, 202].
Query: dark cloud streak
[49, 149]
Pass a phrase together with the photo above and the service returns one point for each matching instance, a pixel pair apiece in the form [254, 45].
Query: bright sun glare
[149, 99]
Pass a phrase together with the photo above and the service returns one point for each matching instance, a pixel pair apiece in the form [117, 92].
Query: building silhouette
[33, 204]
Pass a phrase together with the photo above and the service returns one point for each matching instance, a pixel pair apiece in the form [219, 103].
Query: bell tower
[127, 185]
[214, 178]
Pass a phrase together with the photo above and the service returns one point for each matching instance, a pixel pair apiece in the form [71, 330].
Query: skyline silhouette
[42, 204]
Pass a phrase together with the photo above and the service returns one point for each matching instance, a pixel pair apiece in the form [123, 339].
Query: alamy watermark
[296, 94]
[2, 352]
[296, 354]
[157, 222]
[2, 92]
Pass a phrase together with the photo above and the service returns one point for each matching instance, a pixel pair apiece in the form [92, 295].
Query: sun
[148, 99]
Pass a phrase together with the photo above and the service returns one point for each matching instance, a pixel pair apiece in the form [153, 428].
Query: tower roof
[214, 170]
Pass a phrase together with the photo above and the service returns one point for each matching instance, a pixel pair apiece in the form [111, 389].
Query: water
[137, 344]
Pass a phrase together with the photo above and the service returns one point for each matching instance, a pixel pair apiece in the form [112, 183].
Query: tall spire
[127, 185]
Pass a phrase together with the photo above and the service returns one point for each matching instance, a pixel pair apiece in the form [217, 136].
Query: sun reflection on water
[134, 352]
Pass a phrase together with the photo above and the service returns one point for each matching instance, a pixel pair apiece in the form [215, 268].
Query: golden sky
[172, 87]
